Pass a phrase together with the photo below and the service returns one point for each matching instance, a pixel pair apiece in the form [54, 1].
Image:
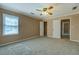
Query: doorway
[45, 28]
[65, 28]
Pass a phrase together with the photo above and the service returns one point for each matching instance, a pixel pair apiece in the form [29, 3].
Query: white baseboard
[74, 40]
[19, 40]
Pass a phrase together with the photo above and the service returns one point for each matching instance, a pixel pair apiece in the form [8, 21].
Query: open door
[41, 28]
[65, 28]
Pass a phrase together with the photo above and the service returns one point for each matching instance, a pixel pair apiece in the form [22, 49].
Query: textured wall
[74, 26]
[56, 28]
[29, 27]
[41, 28]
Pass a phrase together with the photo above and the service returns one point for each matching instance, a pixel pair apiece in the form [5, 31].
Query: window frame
[3, 25]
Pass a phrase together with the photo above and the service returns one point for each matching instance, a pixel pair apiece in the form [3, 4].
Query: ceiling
[59, 9]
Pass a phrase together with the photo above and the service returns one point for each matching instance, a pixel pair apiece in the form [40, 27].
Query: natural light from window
[10, 24]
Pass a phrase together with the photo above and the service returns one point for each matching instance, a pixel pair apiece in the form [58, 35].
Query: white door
[41, 28]
[56, 29]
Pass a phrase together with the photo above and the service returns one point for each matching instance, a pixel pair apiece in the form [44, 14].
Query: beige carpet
[41, 46]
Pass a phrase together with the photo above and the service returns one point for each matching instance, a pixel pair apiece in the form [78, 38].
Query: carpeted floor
[42, 46]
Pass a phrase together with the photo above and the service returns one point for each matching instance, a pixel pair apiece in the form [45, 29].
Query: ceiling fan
[46, 10]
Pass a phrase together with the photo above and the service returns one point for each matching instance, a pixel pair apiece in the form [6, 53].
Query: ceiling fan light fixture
[46, 13]
[44, 9]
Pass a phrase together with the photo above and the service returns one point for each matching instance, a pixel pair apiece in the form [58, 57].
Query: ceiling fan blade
[50, 13]
[38, 10]
[50, 7]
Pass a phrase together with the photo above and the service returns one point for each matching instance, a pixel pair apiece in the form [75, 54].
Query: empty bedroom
[39, 28]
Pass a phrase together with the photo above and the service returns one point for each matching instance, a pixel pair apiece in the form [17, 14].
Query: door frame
[45, 27]
[69, 26]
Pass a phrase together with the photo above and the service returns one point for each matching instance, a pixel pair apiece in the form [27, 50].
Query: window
[10, 24]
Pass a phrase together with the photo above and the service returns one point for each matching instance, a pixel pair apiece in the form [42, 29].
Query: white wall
[49, 28]
[56, 28]
[41, 28]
